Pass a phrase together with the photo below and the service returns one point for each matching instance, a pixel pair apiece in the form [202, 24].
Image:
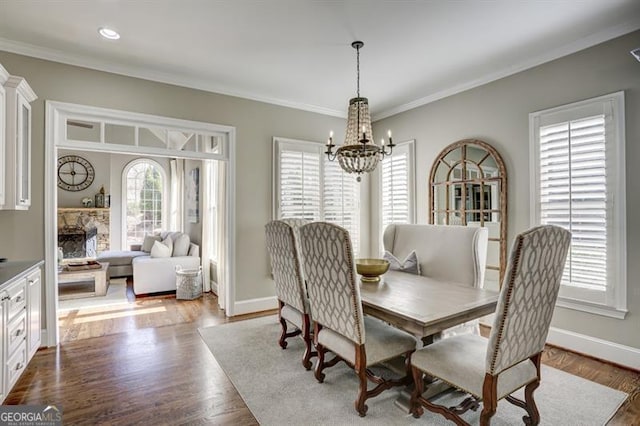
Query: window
[143, 199]
[397, 185]
[579, 184]
[309, 186]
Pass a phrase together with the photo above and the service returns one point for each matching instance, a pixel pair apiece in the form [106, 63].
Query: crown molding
[153, 75]
[567, 49]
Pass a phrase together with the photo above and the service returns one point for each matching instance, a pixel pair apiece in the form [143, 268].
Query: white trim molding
[616, 353]
[250, 306]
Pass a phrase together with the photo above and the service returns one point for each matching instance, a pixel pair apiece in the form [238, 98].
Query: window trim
[614, 301]
[123, 195]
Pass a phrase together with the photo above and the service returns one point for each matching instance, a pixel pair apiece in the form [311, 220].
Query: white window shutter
[299, 185]
[573, 193]
[395, 198]
[342, 200]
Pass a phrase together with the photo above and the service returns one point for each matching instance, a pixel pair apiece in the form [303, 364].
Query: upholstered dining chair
[336, 308]
[293, 307]
[491, 369]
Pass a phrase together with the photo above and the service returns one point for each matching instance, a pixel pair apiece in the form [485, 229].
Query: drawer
[16, 365]
[16, 331]
[17, 294]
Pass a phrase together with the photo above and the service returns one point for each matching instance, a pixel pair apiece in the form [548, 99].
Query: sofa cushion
[409, 265]
[162, 248]
[119, 257]
[147, 244]
[181, 245]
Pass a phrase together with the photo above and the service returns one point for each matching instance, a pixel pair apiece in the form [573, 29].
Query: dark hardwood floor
[126, 369]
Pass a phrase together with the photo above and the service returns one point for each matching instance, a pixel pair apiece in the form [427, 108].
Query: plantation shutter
[573, 194]
[299, 184]
[395, 189]
[341, 200]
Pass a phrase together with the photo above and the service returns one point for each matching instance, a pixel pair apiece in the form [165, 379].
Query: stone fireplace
[83, 232]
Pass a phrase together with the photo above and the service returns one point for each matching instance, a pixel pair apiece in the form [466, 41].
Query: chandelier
[359, 154]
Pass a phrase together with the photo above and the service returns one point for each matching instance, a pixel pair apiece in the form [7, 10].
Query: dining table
[424, 306]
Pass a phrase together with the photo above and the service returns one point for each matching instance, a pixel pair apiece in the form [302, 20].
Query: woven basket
[188, 283]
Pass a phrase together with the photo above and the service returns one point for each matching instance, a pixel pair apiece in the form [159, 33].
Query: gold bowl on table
[371, 269]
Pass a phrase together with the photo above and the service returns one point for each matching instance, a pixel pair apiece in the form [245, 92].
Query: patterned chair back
[528, 296]
[334, 294]
[286, 265]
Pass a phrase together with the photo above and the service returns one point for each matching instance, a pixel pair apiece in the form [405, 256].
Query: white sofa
[150, 274]
[446, 253]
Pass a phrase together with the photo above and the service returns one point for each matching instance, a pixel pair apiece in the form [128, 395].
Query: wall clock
[74, 173]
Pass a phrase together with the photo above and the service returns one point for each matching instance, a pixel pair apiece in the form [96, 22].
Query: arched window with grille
[143, 199]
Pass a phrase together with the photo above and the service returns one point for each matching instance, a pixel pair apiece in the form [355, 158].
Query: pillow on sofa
[181, 245]
[162, 248]
[147, 244]
[409, 265]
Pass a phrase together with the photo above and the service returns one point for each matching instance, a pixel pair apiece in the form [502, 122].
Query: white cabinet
[20, 316]
[14, 300]
[34, 311]
[17, 161]
[4, 75]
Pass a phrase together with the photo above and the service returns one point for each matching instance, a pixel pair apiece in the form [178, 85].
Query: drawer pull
[18, 299]
[19, 332]
[31, 282]
[5, 298]
[19, 366]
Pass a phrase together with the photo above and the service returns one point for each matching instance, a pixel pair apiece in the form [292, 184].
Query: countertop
[16, 269]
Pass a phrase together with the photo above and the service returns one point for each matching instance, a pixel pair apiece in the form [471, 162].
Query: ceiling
[298, 52]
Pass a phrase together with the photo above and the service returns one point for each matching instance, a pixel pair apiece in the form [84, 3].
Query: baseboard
[616, 353]
[214, 287]
[255, 305]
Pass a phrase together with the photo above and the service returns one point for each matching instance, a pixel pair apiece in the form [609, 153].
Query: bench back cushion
[446, 253]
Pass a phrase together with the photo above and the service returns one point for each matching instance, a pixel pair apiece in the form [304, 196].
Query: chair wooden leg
[283, 323]
[530, 404]
[321, 351]
[418, 389]
[306, 335]
[361, 371]
[489, 399]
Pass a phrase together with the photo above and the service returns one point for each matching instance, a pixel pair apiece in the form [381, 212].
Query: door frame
[56, 114]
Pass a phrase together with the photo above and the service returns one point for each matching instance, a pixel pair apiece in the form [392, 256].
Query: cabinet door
[3, 356]
[34, 311]
[23, 183]
[3, 131]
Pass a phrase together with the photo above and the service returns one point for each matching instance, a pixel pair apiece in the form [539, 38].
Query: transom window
[144, 183]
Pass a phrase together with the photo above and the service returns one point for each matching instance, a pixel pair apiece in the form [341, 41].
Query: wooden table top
[423, 306]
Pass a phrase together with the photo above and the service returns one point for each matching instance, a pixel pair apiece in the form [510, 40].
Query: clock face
[74, 173]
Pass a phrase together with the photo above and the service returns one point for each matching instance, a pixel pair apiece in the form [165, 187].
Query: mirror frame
[501, 179]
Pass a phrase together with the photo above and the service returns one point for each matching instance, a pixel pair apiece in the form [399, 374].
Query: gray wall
[256, 123]
[498, 113]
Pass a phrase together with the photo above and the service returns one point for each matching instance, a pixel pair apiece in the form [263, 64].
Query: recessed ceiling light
[109, 33]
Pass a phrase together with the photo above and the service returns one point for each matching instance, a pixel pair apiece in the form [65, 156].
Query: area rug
[278, 390]
[116, 295]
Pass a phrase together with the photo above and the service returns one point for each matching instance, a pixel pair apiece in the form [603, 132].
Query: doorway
[112, 132]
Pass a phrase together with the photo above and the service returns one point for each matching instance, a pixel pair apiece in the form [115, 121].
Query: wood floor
[125, 370]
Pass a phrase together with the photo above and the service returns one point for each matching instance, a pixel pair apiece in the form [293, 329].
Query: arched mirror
[468, 186]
